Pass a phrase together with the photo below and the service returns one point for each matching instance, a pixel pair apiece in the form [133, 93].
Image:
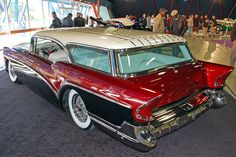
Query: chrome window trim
[113, 63]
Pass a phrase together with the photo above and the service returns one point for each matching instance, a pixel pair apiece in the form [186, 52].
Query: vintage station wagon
[136, 86]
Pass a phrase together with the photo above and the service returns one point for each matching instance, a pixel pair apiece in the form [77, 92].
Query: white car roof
[109, 38]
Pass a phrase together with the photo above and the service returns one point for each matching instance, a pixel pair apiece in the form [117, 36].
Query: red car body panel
[171, 85]
[168, 85]
[174, 84]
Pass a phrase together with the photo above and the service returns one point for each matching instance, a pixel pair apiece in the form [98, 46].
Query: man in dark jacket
[79, 21]
[67, 21]
[233, 50]
[143, 22]
[56, 22]
[178, 24]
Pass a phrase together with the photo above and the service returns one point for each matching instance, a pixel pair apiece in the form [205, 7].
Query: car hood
[174, 83]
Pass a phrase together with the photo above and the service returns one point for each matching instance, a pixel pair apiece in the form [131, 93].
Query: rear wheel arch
[11, 73]
[67, 96]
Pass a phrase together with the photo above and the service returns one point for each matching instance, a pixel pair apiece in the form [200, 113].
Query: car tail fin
[144, 112]
[216, 74]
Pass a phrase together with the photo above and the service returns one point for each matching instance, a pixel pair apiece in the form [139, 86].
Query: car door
[44, 52]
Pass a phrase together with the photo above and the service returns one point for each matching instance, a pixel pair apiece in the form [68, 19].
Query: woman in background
[152, 21]
[148, 27]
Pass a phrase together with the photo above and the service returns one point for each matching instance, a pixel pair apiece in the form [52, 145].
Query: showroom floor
[31, 126]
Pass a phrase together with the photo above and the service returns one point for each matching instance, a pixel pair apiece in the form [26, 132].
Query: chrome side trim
[112, 127]
[32, 72]
[94, 93]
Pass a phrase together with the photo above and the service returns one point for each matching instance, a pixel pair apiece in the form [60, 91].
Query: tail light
[220, 80]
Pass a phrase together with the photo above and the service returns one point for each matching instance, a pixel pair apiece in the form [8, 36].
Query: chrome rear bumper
[179, 120]
[144, 138]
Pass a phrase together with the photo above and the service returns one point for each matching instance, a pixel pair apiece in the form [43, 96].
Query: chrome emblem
[186, 106]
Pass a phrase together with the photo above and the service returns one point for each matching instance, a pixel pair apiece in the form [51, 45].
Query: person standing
[201, 20]
[67, 21]
[56, 22]
[159, 23]
[196, 23]
[152, 21]
[233, 50]
[143, 22]
[213, 24]
[168, 22]
[79, 21]
[190, 25]
[148, 27]
[178, 24]
[205, 25]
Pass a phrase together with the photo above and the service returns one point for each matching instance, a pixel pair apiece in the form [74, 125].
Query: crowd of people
[178, 24]
[67, 21]
[173, 23]
[162, 23]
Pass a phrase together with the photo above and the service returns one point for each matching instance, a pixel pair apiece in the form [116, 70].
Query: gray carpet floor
[31, 126]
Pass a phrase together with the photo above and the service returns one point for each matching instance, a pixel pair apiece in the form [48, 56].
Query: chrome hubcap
[79, 108]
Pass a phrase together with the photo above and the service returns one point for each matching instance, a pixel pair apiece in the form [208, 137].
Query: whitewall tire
[78, 110]
[12, 75]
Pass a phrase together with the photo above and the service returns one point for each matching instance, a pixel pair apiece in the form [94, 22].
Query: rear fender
[144, 112]
[216, 74]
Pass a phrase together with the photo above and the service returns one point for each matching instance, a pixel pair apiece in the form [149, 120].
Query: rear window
[135, 61]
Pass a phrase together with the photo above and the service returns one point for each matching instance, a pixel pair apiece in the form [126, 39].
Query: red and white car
[136, 86]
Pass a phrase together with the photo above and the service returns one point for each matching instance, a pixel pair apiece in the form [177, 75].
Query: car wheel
[78, 110]
[12, 75]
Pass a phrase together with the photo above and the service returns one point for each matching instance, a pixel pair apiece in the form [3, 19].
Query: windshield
[135, 61]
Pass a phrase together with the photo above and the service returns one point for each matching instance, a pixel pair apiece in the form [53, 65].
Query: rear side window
[90, 57]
